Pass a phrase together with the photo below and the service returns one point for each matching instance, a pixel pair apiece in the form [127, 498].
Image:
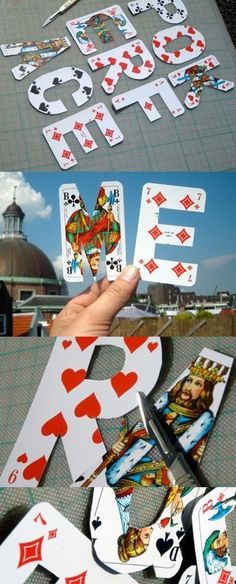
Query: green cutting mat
[22, 363]
[203, 139]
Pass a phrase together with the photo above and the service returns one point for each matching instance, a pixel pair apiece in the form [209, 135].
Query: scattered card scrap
[34, 54]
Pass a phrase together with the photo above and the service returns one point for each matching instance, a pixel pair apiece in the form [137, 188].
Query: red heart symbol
[156, 43]
[35, 469]
[211, 64]
[123, 65]
[97, 437]
[99, 65]
[179, 35]
[85, 342]
[177, 53]
[71, 378]
[136, 69]
[66, 344]
[191, 30]
[22, 458]
[152, 346]
[126, 55]
[112, 60]
[189, 48]
[167, 39]
[122, 382]
[138, 50]
[148, 64]
[108, 81]
[89, 406]
[190, 97]
[165, 57]
[200, 44]
[133, 343]
[56, 425]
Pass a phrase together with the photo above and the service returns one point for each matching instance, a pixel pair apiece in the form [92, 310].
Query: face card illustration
[211, 538]
[98, 21]
[45, 538]
[76, 402]
[34, 54]
[36, 91]
[156, 197]
[161, 7]
[127, 549]
[80, 232]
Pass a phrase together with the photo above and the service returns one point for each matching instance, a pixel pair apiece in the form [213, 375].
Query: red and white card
[196, 44]
[143, 94]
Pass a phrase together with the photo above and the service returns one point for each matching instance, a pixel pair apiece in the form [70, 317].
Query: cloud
[217, 262]
[32, 202]
[57, 264]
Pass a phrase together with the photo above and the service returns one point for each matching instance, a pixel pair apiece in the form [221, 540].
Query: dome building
[24, 267]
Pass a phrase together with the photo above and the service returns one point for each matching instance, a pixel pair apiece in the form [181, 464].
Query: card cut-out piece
[197, 74]
[98, 21]
[142, 95]
[150, 233]
[81, 232]
[46, 538]
[211, 538]
[161, 6]
[189, 576]
[127, 549]
[196, 44]
[34, 54]
[50, 80]
[75, 404]
[119, 61]
[77, 123]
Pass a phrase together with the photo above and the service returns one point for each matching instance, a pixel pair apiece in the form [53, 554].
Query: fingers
[116, 295]
[91, 294]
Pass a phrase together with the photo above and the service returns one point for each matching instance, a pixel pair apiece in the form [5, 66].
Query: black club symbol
[73, 201]
[113, 264]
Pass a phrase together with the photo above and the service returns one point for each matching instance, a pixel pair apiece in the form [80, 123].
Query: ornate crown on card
[208, 370]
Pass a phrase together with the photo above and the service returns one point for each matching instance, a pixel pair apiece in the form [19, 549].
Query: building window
[25, 294]
[3, 324]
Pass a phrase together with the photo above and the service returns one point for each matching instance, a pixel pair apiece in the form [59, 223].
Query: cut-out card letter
[81, 232]
[46, 538]
[211, 541]
[77, 123]
[34, 54]
[198, 76]
[53, 79]
[156, 197]
[98, 21]
[163, 7]
[143, 94]
[119, 61]
[194, 45]
[76, 402]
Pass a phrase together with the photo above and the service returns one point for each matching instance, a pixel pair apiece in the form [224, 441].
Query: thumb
[115, 297]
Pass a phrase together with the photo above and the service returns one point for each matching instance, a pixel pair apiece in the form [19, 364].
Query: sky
[215, 243]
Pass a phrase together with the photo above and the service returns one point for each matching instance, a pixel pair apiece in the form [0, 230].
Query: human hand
[92, 312]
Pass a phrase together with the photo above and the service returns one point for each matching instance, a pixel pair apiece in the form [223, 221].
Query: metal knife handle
[68, 4]
[180, 473]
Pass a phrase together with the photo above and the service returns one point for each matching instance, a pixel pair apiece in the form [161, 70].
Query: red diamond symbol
[159, 199]
[179, 269]
[109, 133]
[155, 232]
[141, 261]
[99, 116]
[148, 105]
[56, 136]
[183, 235]
[66, 154]
[190, 267]
[76, 579]
[148, 201]
[187, 202]
[88, 143]
[52, 534]
[151, 266]
[78, 126]
[30, 551]
[224, 576]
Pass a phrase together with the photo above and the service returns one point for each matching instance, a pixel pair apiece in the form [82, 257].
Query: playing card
[80, 232]
[126, 549]
[198, 77]
[210, 536]
[161, 7]
[36, 91]
[98, 21]
[77, 124]
[189, 576]
[34, 54]
[190, 406]
[45, 538]
[142, 95]
[119, 61]
[151, 233]
[75, 404]
[195, 47]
